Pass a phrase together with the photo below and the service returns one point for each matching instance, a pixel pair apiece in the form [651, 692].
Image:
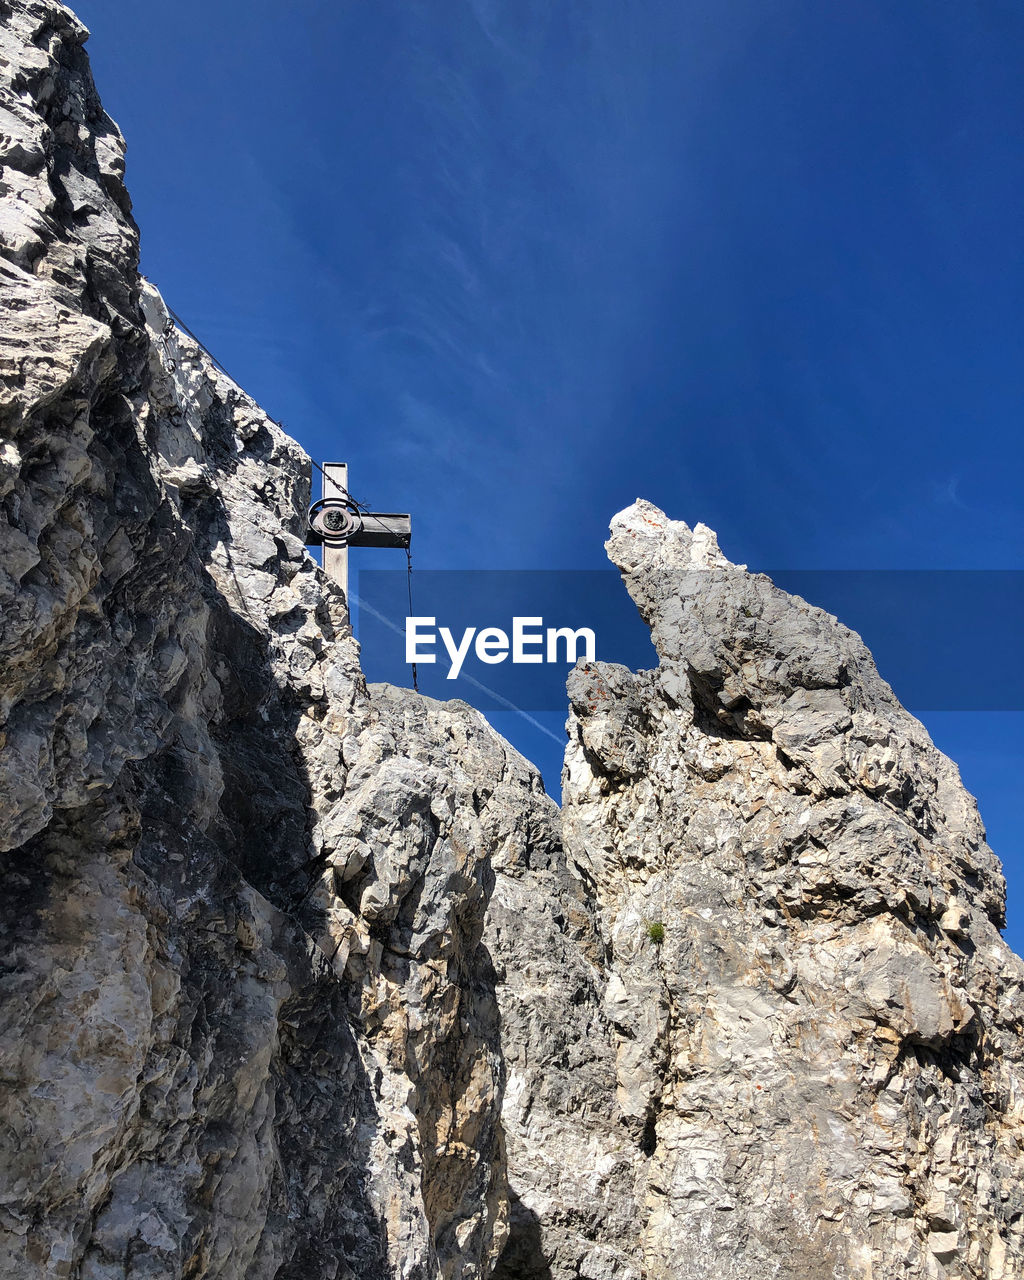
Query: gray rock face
[248, 1027]
[305, 980]
[815, 1023]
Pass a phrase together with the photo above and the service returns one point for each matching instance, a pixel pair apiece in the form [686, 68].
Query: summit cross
[336, 523]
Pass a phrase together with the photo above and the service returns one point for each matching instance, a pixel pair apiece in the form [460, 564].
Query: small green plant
[656, 932]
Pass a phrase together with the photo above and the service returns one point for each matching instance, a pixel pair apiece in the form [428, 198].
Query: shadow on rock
[523, 1256]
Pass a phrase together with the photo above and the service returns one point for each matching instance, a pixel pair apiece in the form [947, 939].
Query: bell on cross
[336, 523]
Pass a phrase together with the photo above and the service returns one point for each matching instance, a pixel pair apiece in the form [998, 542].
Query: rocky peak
[304, 980]
[814, 1017]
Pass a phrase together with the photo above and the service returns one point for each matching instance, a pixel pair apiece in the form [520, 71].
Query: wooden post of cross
[336, 523]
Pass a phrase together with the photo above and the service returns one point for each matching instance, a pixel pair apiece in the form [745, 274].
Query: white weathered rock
[289, 964]
[244, 1030]
[815, 1023]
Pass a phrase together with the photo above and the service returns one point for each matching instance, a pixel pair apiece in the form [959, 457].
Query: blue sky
[519, 263]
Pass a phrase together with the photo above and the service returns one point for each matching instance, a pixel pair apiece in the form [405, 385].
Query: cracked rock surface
[246, 1022]
[305, 980]
[815, 1023]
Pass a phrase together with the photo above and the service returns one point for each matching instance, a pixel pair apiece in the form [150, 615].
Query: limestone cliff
[248, 1027]
[801, 1007]
[305, 980]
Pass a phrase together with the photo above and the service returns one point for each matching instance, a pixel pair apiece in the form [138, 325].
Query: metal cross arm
[337, 523]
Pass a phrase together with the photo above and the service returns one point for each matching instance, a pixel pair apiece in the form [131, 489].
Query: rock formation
[305, 980]
[248, 1026]
[816, 1025]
